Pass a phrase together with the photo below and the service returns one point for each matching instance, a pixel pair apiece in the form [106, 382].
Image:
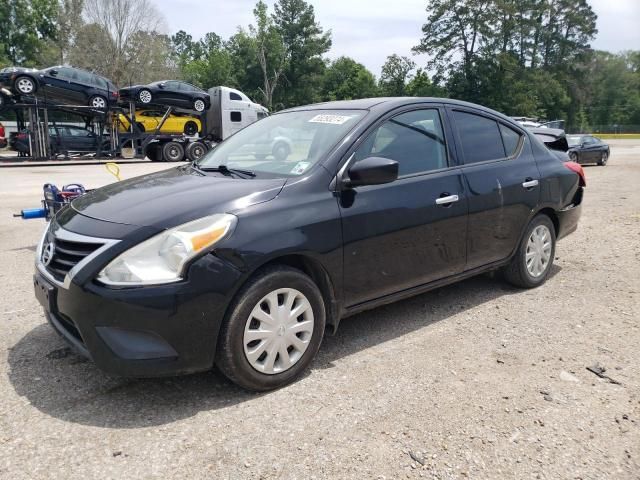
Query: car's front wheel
[25, 85]
[273, 330]
[573, 156]
[604, 158]
[532, 262]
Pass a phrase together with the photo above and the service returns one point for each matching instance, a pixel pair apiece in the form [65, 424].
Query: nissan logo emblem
[47, 253]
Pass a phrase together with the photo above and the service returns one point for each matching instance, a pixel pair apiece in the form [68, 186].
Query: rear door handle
[447, 199]
[530, 183]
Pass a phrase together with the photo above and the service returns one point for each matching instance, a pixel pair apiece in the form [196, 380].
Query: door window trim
[472, 111]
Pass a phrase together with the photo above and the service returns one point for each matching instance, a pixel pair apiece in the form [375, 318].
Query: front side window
[65, 73]
[284, 145]
[413, 139]
[480, 137]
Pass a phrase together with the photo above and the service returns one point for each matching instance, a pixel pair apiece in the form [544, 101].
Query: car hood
[173, 197]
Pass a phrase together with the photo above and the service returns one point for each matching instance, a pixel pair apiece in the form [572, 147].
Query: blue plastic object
[30, 213]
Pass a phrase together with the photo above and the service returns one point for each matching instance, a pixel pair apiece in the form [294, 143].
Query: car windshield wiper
[226, 170]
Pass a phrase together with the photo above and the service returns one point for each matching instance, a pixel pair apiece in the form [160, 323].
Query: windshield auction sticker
[300, 167]
[330, 119]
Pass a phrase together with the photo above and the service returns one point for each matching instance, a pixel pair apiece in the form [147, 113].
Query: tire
[241, 325]
[199, 105]
[573, 156]
[154, 152]
[190, 128]
[518, 272]
[172, 152]
[98, 102]
[24, 85]
[195, 151]
[281, 151]
[144, 96]
[603, 159]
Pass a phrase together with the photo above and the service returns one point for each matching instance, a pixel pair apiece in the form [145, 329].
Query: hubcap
[278, 331]
[538, 251]
[145, 96]
[199, 105]
[99, 102]
[25, 85]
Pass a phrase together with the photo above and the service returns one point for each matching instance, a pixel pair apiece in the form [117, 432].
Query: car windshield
[574, 141]
[286, 145]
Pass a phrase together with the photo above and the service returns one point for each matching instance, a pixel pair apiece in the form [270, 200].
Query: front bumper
[146, 331]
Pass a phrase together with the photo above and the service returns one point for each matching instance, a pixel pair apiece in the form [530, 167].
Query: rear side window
[234, 96]
[510, 138]
[480, 137]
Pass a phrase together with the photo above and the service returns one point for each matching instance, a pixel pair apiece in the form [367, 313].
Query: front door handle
[446, 200]
[530, 183]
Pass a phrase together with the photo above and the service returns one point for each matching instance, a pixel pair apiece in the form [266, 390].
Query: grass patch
[611, 136]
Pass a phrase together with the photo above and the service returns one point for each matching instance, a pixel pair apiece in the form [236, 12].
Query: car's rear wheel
[190, 128]
[573, 156]
[532, 262]
[273, 330]
[195, 151]
[144, 96]
[603, 159]
[98, 102]
[173, 152]
[199, 105]
[25, 85]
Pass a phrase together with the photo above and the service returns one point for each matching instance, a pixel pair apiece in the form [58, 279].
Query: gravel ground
[475, 380]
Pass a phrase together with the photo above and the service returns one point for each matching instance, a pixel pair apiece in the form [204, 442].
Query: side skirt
[413, 291]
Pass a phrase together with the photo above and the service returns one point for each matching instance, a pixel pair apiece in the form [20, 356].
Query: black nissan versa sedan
[242, 260]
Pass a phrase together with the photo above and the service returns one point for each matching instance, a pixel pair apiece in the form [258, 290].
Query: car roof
[387, 103]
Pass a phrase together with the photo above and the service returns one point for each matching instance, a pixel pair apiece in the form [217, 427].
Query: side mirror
[372, 171]
[53, 72]
[161, 85]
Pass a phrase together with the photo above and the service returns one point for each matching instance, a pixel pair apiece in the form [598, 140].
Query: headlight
[162, 258]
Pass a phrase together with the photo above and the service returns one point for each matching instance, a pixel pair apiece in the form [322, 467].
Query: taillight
[576, 167]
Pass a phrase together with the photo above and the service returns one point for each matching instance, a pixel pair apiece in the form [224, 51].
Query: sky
[371, 30]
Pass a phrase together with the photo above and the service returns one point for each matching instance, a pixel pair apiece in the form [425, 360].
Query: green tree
[395, 74]
[422, 86]
[27, 27]
[211, 63]
[346, 79]
[304, 44]
[270, 51]
[69, 23]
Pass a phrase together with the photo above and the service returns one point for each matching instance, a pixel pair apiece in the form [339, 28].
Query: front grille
[67, 254]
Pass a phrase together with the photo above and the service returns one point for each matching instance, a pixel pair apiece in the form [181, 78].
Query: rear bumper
[569, 216]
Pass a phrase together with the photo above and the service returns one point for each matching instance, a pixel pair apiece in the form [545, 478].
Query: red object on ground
[576, 167]
[1, 130]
